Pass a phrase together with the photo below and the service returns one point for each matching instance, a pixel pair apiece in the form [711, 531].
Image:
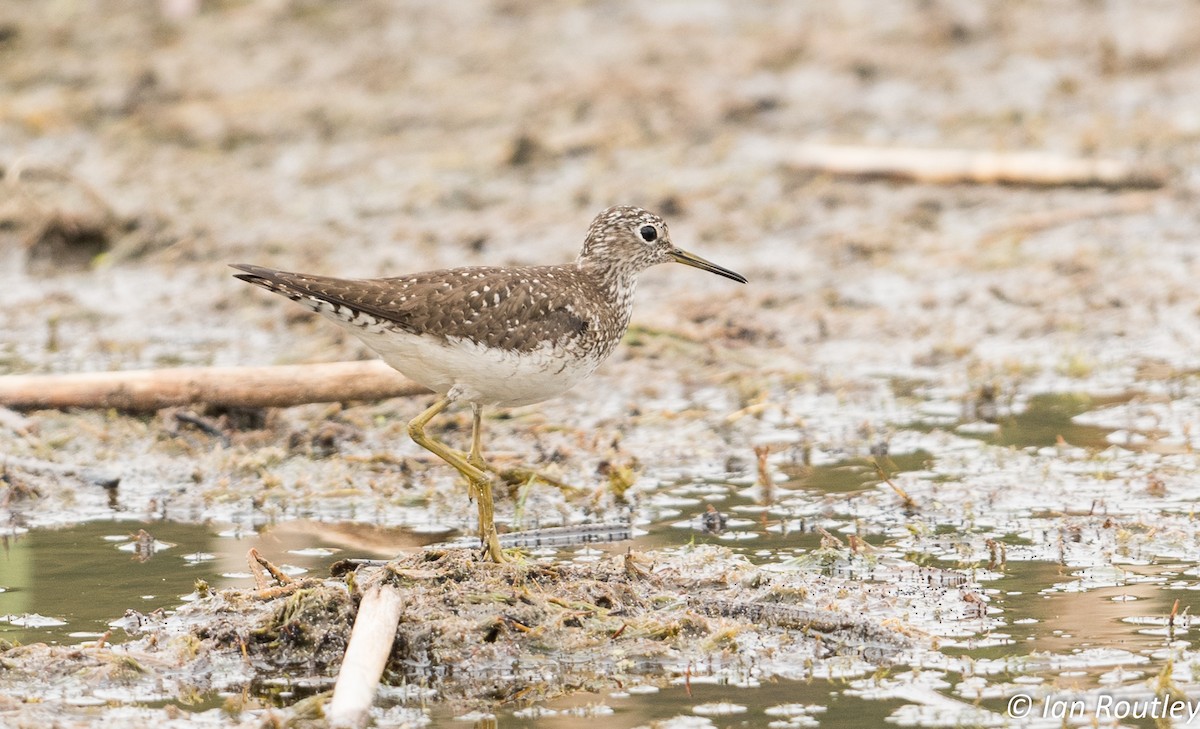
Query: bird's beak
[691, 259]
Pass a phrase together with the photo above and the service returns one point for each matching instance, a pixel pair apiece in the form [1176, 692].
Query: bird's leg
[416, 431]
[483, 489]
[480, 483]
[476, 456]
[510, 475]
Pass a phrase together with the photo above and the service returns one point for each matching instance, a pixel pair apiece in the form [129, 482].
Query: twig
[765, 481]
[950, 166]
[564, 536]
[204, 424]
[797, 617]
[524, 475]
[829, 540]
[260, 566]
[366, 656]
[908, 500]
[144, 390]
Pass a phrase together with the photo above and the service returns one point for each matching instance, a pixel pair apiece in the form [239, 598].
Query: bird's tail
[270, 279]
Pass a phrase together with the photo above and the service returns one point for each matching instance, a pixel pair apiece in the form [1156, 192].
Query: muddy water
[74, 584]
[791, 703]
[1070, 619]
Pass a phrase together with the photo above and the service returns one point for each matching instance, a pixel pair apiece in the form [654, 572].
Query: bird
[496, 336]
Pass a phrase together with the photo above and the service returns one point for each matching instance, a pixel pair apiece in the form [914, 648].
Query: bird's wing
[510, 308]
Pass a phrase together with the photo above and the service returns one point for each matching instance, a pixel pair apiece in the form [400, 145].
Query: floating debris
[478, 633]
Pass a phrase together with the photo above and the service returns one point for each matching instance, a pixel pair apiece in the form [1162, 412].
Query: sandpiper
[496, 335]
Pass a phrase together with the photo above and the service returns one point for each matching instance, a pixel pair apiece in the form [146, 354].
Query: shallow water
[725, 705]
[1069, 607]
[81, 578]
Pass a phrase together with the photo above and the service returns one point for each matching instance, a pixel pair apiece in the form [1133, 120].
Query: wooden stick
[948, 166]
[366, 656]
[908, 500]
[260, 567]
[142, 390]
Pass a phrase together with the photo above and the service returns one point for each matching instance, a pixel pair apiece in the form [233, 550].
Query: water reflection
[81, 578]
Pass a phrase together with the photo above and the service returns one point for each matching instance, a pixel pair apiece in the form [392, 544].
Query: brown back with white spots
[507, 308]
[581, 309]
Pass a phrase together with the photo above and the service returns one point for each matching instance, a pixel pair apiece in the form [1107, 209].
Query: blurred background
[149, 143]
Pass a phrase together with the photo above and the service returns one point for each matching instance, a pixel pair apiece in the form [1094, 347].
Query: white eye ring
[649, 233]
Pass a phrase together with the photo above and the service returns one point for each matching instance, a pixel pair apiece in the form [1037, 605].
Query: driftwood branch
[144, 390]
[366, 656]
[950, 166]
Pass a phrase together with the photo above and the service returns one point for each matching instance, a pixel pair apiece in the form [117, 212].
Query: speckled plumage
[498, 335]
[514, 309]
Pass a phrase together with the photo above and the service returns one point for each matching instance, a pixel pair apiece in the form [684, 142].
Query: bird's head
[629, 240]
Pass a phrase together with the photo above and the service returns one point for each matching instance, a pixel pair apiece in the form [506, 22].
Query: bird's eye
[649, 233]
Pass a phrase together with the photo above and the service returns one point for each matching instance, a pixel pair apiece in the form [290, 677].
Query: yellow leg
[476, 456]
[481, 484]
[511, 475]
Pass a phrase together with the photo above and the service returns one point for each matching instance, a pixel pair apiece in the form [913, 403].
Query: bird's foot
[519, 476]
[482, 490]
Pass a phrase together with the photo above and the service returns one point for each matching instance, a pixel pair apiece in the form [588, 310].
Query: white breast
[476, 373]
